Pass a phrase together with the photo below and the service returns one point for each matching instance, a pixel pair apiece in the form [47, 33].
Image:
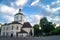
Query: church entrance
[11, 34]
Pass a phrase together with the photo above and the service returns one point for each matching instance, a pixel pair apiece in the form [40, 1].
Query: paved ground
[32, 38]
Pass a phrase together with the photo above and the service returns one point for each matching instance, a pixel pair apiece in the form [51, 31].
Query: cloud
[53, 17]
[12, 4]
[33, 19]
[20, 3]
[47, 10]
[8, 10]
[35, 2]
[54, 20]
[57, 2]
[53, 7]
[50, 11]
[8, 18]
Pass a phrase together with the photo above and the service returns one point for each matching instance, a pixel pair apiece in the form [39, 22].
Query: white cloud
[57, 2]
[54, 20]
[33, 19]
[47, 8]
[57, 25]
[55, 9]
[8, 10]
[52, 10]
[12, 4]
[38, 17]
[21, 2]
[35, 2]
[9, 18]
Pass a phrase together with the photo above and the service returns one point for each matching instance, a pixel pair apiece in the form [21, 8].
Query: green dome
[19, 14]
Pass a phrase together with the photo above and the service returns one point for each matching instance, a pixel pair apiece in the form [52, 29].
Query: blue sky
[33, 10]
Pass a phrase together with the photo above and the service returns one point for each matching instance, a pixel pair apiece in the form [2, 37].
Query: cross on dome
[19, 10]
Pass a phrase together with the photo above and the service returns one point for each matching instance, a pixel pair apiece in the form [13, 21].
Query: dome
[19, 13]
[19, 17]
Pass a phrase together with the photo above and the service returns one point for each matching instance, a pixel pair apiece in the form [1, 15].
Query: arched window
[17, 17]
[3, 33]
[6, 28]
[12, 27]
[17, 28]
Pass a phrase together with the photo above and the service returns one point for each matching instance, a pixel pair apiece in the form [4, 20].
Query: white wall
[19, 18]
[24, 34]
[28, 30]
[9, 30]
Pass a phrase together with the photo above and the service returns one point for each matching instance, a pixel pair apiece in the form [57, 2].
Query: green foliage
[43, 21]
[46, 26]
[36, 26]
[37, 31]
[0, 30]
[56, 31]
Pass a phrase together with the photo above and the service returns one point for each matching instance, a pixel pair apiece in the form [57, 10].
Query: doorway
[11, 34]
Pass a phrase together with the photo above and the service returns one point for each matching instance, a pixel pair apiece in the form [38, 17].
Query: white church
[18, 27]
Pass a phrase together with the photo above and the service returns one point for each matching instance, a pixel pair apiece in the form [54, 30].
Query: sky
[33, 10]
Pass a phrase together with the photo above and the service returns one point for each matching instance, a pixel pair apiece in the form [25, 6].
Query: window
[17, 28]
[3, 33]
[6, 28]
[21, 17]
[17, 17]
[6, 33]
[12, 27]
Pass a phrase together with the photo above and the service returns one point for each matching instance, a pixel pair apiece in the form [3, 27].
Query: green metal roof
[19, 14]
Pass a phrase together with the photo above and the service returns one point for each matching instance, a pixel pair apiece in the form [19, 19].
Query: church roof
[19, 14]
[15, 22]
[26, 25]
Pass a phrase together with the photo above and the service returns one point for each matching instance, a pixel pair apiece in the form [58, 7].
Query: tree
[36, 26]
[46, 26]
[43, 23]
[56, 31]
[36, 30]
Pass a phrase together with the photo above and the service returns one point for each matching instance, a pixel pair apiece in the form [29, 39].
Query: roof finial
[19, 10]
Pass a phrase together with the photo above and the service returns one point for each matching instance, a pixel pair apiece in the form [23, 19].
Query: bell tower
[19, 17]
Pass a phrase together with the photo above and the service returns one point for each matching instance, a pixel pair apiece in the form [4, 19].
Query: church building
[18, 27]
